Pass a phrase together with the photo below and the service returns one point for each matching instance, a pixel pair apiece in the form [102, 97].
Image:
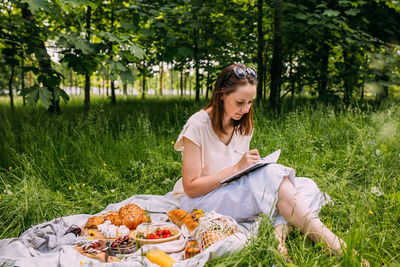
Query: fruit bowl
[142, 235]
[122, 246]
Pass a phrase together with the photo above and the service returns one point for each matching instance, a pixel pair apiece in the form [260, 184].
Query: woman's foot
[282, 249]
[281, 233]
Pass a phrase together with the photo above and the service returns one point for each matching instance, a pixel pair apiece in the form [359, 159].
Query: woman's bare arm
[196, 185]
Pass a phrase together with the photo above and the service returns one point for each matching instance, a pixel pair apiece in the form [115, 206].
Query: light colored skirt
[256, 193]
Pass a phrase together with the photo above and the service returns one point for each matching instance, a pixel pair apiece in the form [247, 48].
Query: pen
[239, 152]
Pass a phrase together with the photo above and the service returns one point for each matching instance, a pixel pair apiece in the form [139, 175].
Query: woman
[211, 140]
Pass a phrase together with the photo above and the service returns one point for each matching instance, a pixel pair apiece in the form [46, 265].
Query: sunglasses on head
[242, 73]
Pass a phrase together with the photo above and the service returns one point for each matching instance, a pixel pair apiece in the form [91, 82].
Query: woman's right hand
[249, 158]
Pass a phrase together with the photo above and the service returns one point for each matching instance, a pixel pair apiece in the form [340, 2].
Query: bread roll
[182, 217]
[131, 216]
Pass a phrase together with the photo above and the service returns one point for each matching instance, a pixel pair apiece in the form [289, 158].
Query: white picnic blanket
[46, 245]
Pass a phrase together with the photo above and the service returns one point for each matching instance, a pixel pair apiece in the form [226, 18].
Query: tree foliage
[327, 48]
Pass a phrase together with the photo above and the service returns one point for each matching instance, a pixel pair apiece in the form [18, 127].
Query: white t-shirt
[215, 155]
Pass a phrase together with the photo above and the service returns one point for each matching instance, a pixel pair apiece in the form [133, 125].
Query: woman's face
[238, 103]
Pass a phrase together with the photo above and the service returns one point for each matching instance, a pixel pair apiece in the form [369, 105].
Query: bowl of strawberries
[155, 234]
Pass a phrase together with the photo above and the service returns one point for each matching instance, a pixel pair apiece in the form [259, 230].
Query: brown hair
[227, 83]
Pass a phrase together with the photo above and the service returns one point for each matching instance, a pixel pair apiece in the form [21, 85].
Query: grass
[58, 165]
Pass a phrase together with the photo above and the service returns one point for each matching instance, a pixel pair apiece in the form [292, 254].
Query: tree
[46, 89]
[260, 50]
[277, 61]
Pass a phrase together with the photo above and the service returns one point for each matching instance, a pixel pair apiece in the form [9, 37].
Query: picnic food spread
[129, 215]
[117, 233]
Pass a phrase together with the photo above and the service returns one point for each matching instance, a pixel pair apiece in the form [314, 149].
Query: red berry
[166, 232]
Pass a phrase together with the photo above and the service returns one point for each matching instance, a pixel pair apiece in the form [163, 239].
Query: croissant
[182, 217]
[109, 216]
[94, 221]
[129, 215]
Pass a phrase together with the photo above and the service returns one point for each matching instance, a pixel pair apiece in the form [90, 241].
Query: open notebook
[271, 158]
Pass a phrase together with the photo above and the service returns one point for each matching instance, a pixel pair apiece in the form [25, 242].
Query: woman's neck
[227, 122]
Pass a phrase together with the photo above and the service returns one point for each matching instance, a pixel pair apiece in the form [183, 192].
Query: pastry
[132, 215]
[182, 217]
[129, 215]
[107, 216]
[94, 221]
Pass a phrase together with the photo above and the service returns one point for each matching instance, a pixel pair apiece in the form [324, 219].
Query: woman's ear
[222, 97]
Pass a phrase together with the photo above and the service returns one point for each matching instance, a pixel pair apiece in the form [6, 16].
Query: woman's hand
[249, 158]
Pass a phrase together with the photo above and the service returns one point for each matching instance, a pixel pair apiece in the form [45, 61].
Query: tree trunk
[125, 88]
[71, 84]
[190, 87]
[172, 80]
[22, 73]
[143, 84]
[208, 85]
[112, 86]
[276, 66]
[111, 53]
[362, 93]
[265, 62]
[86, 101]
[196, 65]
[350, 74]
[181, 82]
[323, 80]
[346, 78]
[102, 85]
[260, 49]
[292, 80]
[10, 92]
[161, 78]
[107, 86]
[76, 85]
[185, 83]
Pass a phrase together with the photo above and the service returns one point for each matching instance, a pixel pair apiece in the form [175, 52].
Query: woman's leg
[294, 209]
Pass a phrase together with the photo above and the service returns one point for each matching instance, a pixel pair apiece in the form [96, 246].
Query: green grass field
[58, 165]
